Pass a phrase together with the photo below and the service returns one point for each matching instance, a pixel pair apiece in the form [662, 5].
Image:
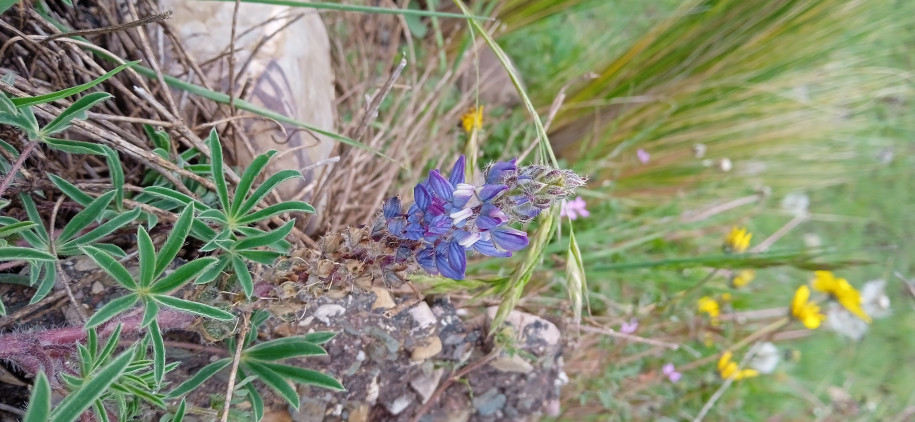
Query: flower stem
[29, 147]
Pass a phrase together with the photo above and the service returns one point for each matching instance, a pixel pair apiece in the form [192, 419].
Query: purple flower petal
[461, 215]
[462, 194]
[422, 197]
[457, 172]
[392, 207]
[486, 247]
[440, 186]
[509, 239]
[500, 169]
[488, 192]
[465, 238]
[490, 217]
[396, 226]
[426, 259]
[451, 260]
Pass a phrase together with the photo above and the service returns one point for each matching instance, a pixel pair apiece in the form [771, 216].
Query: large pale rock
[287, 69]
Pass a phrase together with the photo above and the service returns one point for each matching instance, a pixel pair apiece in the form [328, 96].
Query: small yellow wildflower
[842, 291]
[737, 241]
[728, 368]
[473, 119]
[742, 278]
[805, 311]
[726, 297]
[709, 306]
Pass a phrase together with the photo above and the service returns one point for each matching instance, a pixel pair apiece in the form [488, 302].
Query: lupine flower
[629, 327]
[450, 217]
[574, 209]
[805, 311]
[671, 373]
[842, 291]
[473, 119]
[643, 156]
[729, 369]
[737, 241]
[709, 306]
[742, 278]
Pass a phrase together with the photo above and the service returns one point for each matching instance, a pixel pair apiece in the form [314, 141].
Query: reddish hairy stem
[16, 166]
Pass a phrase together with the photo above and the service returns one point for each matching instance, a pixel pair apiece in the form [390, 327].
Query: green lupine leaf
[13, 253]
[179, 412]
[45, 275]
[274, 381]
[64, 93]
[111, 266]
[80, 400]
[32, 212]
[257, 402]
[2, 309]
[92, 344]
[181, 275]
[194, 308]
[25, 121]
[173, 195]
[150, 310]
[112, 309]
[100, 410]
[283, 348]
[218, 177]
[116, 173]
[243, 274]
[265, 189]
[11, 229]
[85, 217]
[260, 257]
[305, 376]
[202, 375]
[7, 105]
[110, 346]
[276, 209]
[213, 215]
[104, 229]
[147, 255]
[73, 147]
[76, 111]
[213, 271]
[266, 239]
[319, 337]
[85, 361]
[71, 190]
[158, 351]
[175, 239]
[247, 180]
[40, 403]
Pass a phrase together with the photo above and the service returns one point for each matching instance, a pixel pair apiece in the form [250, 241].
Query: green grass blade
[77, 402]
[364, 9]
[576, 283]
[202, 375]
[175, 240]
[64, 93]
[194, 308]
[40, 403]
[111, 309]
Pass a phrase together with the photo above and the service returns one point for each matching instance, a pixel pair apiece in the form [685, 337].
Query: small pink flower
[574, 209]
[671, 373]
[643, 156]
[629, 327]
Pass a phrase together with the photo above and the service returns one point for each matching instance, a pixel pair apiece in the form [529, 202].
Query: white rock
[325, 312]
[425, 384]
[399, 404]
[423, 315]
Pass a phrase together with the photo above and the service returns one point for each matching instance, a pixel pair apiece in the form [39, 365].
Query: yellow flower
[742, 278]
[472, 119]
[738, 240]
[842, 291]
[805, 311]
[728, 368]
[709, 306]
[726, 297]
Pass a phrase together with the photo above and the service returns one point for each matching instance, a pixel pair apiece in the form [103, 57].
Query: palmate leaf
[71, 190]
[306, 376]
[175, 240]
[247, 180]
[202, 375]
[213, 271]
[24, 121]
[266, 239]
[216, 172]
[276, 209]
[258, 195]
[181, 275]
[71, 247]
[274, 381]
[85, 217]
[90, 390]
[112, 309]
[111, 266]
[40, 403]
[194, 308]
[6, 105]
[283, 348]
[77, 110]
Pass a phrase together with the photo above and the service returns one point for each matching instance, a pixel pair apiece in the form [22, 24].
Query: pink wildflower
[574, 209]
[671, 373]
[629, 327]
[643, 156]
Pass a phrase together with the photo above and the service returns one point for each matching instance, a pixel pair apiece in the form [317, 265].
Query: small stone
[425, 384]
[285, 330]
[310, 410]
[552, 408]
[277, 416]
[383, 299]
[360, 356]
[97, 288]
[431, 347]
[372, 390]
[423, 315]
[514, 363]
[489, 402]
[399, 404]
[84, 264]
[325, 312]
[359, 414]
